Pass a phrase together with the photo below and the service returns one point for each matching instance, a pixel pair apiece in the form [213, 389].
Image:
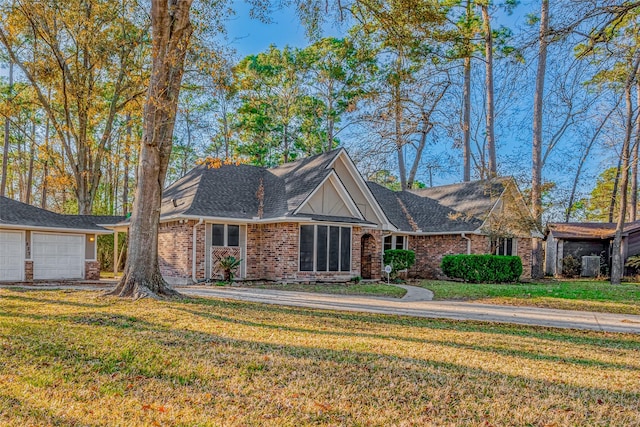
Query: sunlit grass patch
[567, 294]
[69, 358]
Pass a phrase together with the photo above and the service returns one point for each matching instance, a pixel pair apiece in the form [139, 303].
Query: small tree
[229, 265]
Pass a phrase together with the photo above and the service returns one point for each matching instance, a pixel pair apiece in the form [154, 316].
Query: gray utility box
[590, 266]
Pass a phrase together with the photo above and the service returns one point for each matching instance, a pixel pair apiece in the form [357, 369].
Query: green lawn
[566, 294]
[68, 358]
[370, 289]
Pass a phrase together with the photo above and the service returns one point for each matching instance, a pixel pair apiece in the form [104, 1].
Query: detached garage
[36, 244]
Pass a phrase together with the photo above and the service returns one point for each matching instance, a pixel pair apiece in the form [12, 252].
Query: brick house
[316, 219]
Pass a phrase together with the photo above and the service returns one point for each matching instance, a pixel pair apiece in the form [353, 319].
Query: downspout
[193, 247]
[468, 239]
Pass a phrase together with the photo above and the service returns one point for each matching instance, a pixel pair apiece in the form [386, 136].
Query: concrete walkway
[415, 303]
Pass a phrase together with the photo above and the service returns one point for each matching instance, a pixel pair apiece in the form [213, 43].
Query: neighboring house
[317, 219]
[578, 239]
[36, 244]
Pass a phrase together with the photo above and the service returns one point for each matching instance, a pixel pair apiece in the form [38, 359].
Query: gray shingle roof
[231, 191]
[474, 198]
[421, 213]
[15, 213]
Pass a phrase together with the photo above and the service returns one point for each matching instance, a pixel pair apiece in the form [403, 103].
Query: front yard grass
[369, 289]
[564, 294]
[69, 358]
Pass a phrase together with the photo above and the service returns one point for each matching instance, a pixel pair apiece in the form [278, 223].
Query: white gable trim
[333, 178]
[355, 174]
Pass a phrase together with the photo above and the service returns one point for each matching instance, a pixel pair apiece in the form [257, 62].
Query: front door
[367, 250]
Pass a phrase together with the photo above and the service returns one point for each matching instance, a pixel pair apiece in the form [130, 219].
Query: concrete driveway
[416, 303]
[431, 309]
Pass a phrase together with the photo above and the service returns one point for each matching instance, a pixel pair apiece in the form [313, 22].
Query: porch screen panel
[218, 235]
[345, 249]
[233, 235]
[306, 248]
[321, 248]
[334, 248]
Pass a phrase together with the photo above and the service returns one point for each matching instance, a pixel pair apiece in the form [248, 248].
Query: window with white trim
[394, 242]
[503, 246]
[225, 235]
[325, 248]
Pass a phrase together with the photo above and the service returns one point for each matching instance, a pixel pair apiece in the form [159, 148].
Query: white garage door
[57, 256]
[11, 256]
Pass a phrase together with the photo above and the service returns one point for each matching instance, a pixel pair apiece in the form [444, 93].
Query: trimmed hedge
[399, 259]
[482, 268]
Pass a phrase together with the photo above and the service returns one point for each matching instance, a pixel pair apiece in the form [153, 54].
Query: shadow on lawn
[20, 409]
[142, 353]
[130, 360]
[602, 339]
[452, 344]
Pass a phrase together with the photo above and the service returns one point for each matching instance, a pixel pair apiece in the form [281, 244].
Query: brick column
[28, 270]
[92, 270]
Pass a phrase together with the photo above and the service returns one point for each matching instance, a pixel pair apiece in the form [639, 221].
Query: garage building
[36, 244]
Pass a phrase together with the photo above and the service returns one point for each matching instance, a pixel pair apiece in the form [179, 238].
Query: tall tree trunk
[466, 97]
[125, 173]
[32, 155]
[171, 31]
[614, 192]
[466, 120]
[536, 167]
[488, 55]
[45, 167]
[397, 124]
[617, 260]
[633, 204]
[5, 149]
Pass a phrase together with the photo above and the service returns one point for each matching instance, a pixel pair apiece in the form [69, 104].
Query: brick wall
[174, 249]
[524, 252]
[272, 254]
[92, 270]
[430, 250]
[272, 251]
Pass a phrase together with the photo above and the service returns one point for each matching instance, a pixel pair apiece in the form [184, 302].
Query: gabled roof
[589, 230]
[234, 191]
[473, 198]
[410, 212]
[16, 214]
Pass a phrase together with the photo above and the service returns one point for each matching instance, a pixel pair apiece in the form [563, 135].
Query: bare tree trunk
[617, 268]
[536, 167]
[633, 204]
[5, 149]
[45, 168]
[466, 116]
[466, 120]
[32, 155]
[125, 173]
[488, 54]
[171, 31]
[614, 192]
